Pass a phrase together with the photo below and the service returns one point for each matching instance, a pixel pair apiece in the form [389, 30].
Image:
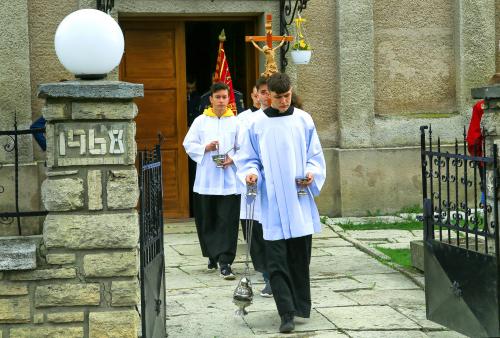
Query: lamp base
[90, 76]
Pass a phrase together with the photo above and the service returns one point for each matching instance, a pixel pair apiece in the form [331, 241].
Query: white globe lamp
[89, 43]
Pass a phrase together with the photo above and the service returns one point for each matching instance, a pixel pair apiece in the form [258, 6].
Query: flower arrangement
[301, 50]
[300, 40]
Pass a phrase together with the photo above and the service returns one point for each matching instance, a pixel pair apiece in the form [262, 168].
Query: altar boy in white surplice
[281, 146]
[217, 199]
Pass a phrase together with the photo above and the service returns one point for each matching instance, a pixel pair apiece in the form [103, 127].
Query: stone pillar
[474, 47]
[356, 72]
[86, 283]
[15, 96]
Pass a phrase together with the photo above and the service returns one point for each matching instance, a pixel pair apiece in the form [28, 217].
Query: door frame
[252, 67]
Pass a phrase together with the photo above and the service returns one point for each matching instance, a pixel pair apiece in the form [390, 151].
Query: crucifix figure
[267, 49]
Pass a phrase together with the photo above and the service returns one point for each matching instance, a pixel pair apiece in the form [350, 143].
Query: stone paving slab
[417, 314]
[326, 232]
[269, 322]
[212, 278]
[185, 261]
[345, 252]
[175, 307]
[368, 318]
[206, 300]
[180, 228]
[383, 297]
[399, 245]
[386, 334]
[187, 249]
[174, 239]
[445, 334]
[225, 324]
[315, 334]
[386, 281]
[330, 242]
[178, 279]
[365, 220]
[325, 297]
[374, 235]
[329, 267]
[340, 284]
[318, 252]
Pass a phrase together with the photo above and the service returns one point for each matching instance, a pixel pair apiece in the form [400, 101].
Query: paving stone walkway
[353, 294]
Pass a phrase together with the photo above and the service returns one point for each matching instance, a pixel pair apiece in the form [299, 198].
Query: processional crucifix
[267, 49]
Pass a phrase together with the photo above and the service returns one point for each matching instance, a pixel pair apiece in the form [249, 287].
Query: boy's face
[255, 97]
[191, 87]
[263, 96]
[281, 101]
[220, 100]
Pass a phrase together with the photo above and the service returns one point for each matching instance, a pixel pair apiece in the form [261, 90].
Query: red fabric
[222, 74]
[474, 136]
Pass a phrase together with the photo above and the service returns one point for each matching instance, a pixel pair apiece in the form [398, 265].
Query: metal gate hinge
[158, 306]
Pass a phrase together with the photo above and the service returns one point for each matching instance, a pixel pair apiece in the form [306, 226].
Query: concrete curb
[374, 253]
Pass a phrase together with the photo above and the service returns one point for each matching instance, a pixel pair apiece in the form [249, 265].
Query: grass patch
[412, 209]
[399, 256]
[406, 225]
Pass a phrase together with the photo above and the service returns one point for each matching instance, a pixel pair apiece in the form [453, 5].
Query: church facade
[379, 70]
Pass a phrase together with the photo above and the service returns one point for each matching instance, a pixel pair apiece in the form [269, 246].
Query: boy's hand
[251, 179]
[310, 179]
[227, 162]
[212, 146]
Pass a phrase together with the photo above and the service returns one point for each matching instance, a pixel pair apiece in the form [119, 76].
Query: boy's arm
[192, 143]
[315, 163]
[247, 160]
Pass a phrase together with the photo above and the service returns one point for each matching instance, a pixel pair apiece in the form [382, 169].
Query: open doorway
[202, 44]
[159, 53]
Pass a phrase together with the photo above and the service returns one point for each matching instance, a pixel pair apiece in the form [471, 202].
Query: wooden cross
[268, 50]
[269, 38]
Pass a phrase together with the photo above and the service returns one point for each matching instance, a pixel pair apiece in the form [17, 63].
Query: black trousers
[288, 265]
[192, 176]
[216, 218]
[257, 247]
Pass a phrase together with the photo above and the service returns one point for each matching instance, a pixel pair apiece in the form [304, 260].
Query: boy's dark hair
[218, 86]
[279, 83]
[260, 82]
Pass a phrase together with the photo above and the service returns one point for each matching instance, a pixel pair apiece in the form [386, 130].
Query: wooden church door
[155, 56]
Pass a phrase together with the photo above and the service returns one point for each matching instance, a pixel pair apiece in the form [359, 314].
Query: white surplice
[211, 180]
[278, 150]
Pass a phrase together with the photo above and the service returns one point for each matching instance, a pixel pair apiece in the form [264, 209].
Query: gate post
[91, 193]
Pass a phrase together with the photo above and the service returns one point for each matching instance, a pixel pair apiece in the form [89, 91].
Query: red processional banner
[222, 74]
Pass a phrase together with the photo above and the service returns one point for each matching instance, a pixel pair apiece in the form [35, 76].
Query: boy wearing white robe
[257, 248]
[217, 205]
[282, 145]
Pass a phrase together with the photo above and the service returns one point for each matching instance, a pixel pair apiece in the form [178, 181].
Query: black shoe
[267, 291]
[287, 324]
[226, 272]
[212, 264]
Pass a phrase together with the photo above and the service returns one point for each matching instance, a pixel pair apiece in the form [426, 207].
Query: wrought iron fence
[462, 203]
[153, 306]
[12, 145]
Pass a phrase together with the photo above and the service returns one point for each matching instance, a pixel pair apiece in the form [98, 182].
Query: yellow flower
[302, 44]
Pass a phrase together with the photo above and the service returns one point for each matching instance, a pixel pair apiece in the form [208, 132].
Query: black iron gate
[461, 243]
[12, 145]
[153, 307]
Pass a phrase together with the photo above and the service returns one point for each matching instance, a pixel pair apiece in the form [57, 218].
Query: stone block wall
[86, 280]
